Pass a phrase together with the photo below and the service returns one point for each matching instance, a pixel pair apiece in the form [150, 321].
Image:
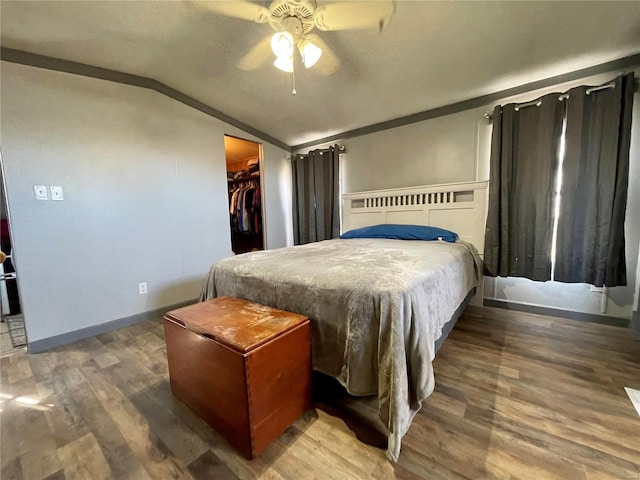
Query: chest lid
[237, 323]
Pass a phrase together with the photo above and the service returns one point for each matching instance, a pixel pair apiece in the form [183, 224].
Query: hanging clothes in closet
[245, 207]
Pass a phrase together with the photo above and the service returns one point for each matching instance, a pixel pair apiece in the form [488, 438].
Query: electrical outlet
[142, 288]
[40, 192]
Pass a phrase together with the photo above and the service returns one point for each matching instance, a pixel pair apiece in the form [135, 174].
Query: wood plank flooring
[518, 396]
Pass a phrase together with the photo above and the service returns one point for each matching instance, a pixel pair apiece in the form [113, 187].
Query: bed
[378, 307]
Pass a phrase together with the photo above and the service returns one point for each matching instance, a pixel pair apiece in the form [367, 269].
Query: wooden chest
[244, 368]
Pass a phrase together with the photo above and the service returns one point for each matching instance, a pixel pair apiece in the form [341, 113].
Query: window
[558, 186]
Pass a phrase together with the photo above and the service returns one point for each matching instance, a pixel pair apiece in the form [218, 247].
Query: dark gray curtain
[316, 211]
[524, 164]
[590, 245]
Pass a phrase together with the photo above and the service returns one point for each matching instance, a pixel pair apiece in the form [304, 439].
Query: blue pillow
[402, 232]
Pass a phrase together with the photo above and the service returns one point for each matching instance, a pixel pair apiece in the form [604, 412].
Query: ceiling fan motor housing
[284, 12]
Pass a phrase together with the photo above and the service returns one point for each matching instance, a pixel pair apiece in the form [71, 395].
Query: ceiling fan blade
[237, 9]
[257, 56]
[329, 61]
[353, 15]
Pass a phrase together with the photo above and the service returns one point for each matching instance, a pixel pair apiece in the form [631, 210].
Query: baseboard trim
[556, 312]
[44, 344]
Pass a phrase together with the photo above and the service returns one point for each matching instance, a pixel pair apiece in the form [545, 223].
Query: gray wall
[456, 148]
[144, 180]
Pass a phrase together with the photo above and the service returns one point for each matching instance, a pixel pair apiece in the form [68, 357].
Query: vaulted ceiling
[431, 54]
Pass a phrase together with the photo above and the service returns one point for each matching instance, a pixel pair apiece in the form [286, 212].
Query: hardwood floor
[518, 396]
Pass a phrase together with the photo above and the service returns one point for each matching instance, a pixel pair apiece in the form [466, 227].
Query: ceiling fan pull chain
[293, 78]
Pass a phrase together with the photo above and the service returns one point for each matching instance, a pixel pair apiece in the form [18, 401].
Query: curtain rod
[341, 149]
[601, 87]
[537, 103]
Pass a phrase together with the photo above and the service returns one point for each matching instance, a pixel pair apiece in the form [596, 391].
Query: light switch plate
[40, 192]
[56, 193]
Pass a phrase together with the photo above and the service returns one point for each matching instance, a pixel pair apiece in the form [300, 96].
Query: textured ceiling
[431, 54]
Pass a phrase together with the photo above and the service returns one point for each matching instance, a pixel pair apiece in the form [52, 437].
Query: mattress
[377, 308]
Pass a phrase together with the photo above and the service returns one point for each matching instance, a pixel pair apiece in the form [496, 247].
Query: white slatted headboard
[459, 207]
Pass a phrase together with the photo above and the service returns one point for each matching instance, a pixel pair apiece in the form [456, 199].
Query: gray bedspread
[376, 306]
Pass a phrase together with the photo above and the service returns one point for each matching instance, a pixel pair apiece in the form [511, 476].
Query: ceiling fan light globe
[282, 44]
[310, 53]
[284, 63]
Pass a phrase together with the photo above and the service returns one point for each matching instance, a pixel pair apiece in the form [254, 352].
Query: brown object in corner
[244, 368]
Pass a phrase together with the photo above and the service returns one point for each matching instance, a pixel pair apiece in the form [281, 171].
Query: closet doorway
[13, 337]
[244, 164]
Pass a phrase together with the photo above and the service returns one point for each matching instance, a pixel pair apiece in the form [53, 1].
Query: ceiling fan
[293, 20]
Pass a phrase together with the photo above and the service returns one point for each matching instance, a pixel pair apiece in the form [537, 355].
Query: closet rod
[243, 180]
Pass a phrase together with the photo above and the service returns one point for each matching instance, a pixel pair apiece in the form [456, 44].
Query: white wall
[456, 148]
[144, 180]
